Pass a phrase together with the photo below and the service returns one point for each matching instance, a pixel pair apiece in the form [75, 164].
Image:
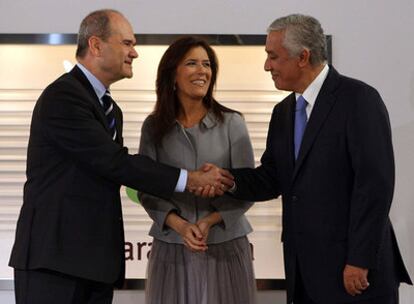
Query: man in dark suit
[329, 154]
[69, 244]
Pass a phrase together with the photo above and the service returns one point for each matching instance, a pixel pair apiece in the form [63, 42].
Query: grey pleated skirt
[221, 275]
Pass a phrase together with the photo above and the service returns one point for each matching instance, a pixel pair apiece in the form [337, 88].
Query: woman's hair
[167, 106]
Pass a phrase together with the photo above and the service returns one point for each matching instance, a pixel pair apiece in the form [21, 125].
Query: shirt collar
[312, 91]
[96, 84]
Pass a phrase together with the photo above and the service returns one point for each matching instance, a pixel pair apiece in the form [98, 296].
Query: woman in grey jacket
[200, 252]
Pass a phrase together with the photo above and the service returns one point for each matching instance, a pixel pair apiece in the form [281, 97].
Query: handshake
[209, 181]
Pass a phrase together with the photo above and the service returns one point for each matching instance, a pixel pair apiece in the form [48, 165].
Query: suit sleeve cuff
[232, 189]
[182, 181]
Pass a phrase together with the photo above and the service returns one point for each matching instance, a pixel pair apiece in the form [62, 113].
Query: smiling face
[193, 75]
[284, 68]
[118, 51]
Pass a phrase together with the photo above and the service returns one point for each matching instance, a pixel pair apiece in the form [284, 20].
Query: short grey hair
[96, 24]
[302, 32]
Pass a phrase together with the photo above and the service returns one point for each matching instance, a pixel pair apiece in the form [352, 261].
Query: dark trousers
[49, 287]
[301, 296]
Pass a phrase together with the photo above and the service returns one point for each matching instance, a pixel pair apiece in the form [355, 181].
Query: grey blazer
[226, 144]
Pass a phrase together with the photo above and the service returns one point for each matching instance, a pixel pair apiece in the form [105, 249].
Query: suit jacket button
[294, 198]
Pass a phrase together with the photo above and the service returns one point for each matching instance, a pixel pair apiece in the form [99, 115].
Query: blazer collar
[80, 76]
[208, 121]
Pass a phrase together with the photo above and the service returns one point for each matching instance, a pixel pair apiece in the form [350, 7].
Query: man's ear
[304, 57]
[95, 45]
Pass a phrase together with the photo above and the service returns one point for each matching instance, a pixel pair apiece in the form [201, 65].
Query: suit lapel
[323, 105]
[290, 121]
[118, 125]
[78, 74]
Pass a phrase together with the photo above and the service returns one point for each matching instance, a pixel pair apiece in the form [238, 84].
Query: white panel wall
[244, 87]
[372, 40]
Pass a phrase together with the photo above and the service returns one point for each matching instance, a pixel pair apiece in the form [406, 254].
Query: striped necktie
[300, 123]
[108, 105]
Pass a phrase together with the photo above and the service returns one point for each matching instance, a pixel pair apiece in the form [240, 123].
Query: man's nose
[267, 65]
[134, 53]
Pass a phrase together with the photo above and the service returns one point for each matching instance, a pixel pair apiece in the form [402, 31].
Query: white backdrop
[245, 87]
[372, 40]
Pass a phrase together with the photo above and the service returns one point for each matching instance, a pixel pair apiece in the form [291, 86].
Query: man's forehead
[270, 46]
[274, 36]
[273, 39]
[124, 31]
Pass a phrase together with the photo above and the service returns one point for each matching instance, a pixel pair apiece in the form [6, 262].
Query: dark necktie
[108, 105]
[300, 122]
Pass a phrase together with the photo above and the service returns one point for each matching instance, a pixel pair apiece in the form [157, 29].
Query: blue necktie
[300, 122]
[108, 105]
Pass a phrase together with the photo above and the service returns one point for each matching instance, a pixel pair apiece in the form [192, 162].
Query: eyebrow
[130, 41]
[193, 59]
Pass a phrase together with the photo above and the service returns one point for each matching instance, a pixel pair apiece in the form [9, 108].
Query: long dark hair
[167, 106]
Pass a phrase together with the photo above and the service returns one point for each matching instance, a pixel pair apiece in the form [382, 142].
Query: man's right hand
[209, 181]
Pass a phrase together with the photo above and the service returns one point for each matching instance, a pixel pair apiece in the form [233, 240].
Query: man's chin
[128, 75]
[280, 87]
